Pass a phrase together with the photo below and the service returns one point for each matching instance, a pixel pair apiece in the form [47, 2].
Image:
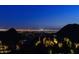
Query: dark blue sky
[38, 16]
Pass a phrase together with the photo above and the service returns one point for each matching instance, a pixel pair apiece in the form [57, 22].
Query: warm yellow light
[51, 43]
[76, 45]
[1, 48]
[47, 43]
[55, 41]
[60, 45]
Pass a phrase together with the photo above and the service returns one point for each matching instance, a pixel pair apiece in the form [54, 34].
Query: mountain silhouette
[12, 33]
[70, 31]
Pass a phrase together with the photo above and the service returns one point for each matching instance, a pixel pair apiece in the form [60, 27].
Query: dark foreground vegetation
[65, 41]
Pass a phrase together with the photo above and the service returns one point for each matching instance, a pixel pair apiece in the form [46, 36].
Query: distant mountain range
[71, 31]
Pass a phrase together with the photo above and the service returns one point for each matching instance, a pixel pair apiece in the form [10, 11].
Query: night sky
[38, 16]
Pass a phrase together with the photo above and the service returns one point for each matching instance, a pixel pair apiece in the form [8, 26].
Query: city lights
[76, 45]
[4, 48]
[60, 45]
[38, 42]
[55, 41]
